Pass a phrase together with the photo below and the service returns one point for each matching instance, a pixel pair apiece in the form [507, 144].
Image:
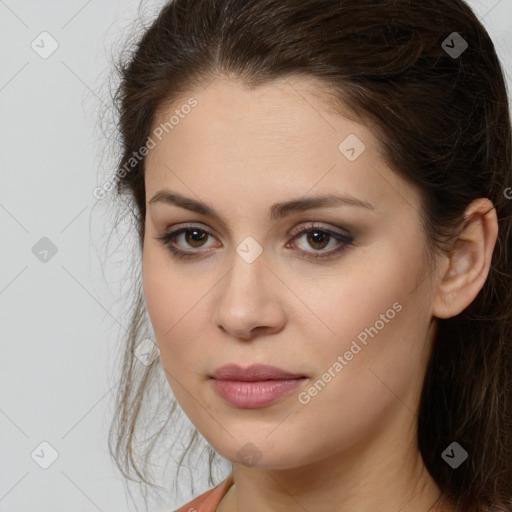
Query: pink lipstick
[255, 386]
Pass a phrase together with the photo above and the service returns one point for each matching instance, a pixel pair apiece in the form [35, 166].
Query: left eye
[317, 238]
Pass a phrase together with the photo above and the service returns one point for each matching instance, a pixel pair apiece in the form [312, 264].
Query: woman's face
[356, 322]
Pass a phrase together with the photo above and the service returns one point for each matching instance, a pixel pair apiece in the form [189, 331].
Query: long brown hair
[425, 77]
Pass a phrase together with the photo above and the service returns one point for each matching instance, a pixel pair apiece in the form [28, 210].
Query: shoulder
[208, 501]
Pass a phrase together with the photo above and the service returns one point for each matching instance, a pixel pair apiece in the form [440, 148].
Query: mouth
[255, 386]
[253, 373]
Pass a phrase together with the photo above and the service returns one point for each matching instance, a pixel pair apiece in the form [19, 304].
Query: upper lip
[253, 373]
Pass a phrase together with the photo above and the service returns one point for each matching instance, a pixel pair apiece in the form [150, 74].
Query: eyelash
[170, 236]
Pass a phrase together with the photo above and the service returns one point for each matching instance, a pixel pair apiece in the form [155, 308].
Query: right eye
[194, 236]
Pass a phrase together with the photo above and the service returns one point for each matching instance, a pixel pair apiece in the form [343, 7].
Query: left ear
[464, 268]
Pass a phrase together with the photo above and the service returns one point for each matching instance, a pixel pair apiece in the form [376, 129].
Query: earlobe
[466, 265]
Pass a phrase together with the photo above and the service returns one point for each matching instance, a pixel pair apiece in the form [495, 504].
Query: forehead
[285, 111]
[285, 135]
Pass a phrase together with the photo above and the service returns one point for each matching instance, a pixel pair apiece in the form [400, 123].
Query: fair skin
[354, 443]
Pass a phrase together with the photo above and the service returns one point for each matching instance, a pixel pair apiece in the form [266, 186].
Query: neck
[379, 473]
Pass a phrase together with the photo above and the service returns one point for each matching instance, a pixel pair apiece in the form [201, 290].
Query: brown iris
[314, 236]
[195, 236]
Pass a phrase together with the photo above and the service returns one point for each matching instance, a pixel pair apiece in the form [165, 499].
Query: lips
[255, 386]
[253, 373]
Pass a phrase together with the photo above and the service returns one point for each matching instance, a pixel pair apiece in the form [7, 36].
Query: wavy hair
[441, 114]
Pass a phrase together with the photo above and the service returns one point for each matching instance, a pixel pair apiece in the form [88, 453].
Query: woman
[322, 197]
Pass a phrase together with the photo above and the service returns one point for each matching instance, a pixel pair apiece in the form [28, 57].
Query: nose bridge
[246, 298]
[246, 280]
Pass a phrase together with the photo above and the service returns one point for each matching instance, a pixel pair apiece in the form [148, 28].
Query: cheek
[174, 302]
[165, 306]
[368, 311]
[362, 290]
[157, 291]
[372, 365]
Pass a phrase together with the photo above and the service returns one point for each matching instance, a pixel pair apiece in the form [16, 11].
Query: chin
[257, 451]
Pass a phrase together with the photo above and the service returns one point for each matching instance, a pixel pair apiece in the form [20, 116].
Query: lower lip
[251, 395]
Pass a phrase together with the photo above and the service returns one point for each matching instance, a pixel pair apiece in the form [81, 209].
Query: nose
[250, 300]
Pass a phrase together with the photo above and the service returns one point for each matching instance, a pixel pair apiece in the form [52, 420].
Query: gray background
[60, 318]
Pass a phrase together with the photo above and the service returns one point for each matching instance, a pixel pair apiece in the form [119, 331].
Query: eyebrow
[277, 211]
